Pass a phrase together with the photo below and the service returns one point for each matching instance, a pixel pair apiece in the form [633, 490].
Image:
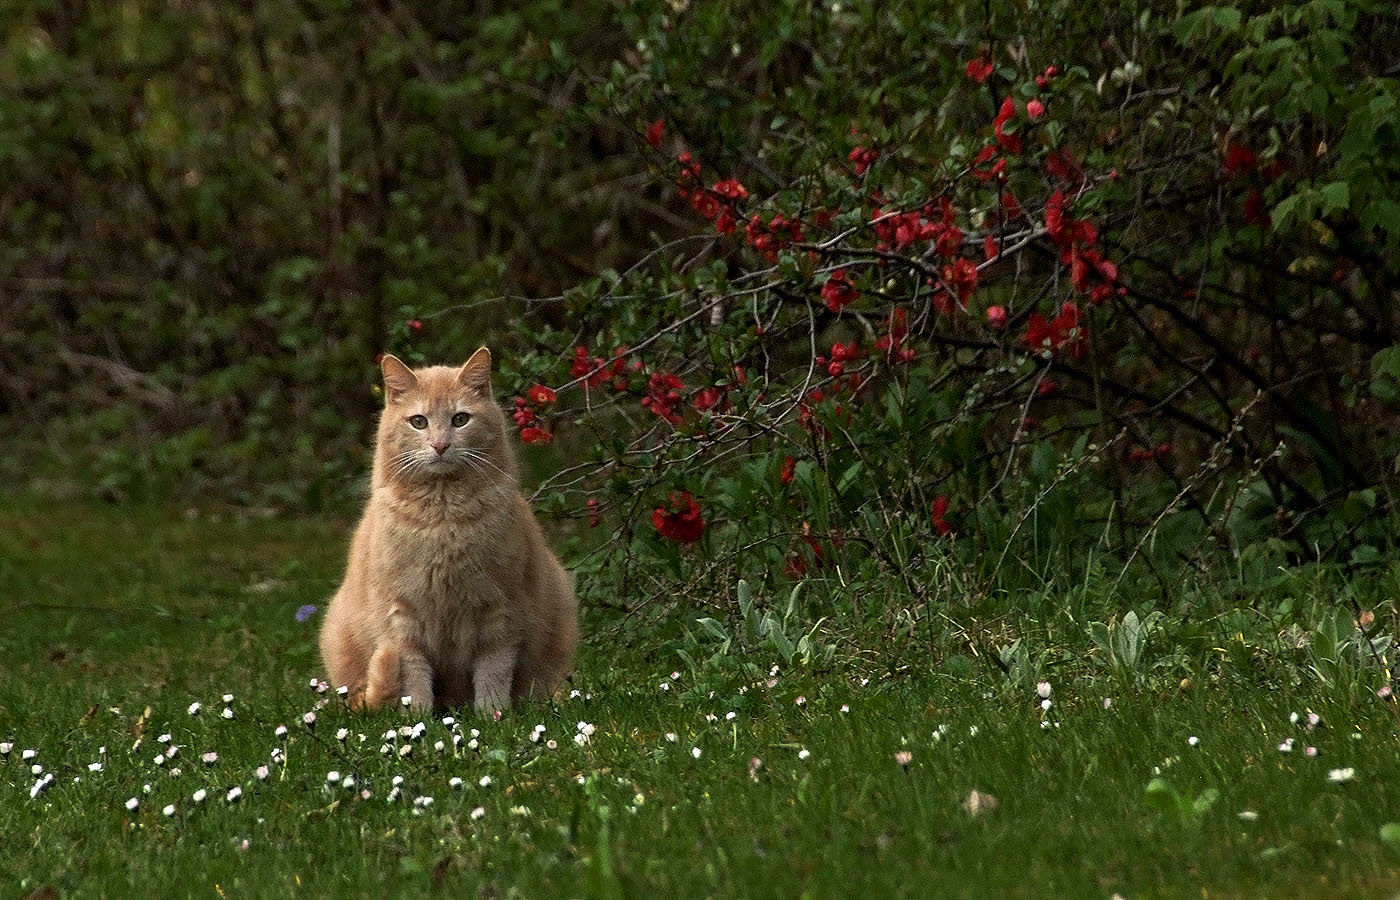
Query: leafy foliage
[1102, 295]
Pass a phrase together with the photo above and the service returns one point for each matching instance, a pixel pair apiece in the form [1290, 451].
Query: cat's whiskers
[406, 462]
[476, 457]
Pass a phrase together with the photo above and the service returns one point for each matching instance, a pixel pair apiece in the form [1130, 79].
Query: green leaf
[1286, 210]
[1335, 197]
[1390, 833]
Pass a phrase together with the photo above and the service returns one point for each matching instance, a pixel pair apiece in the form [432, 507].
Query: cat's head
[441, 422]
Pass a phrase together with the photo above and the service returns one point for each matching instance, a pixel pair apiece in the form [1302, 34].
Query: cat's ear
[398, 378]
[475, 374]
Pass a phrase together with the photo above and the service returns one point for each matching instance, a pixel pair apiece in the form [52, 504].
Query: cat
[451, 595]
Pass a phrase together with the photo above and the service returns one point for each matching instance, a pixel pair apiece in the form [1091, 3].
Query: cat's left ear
[398, 378]
[475, 374]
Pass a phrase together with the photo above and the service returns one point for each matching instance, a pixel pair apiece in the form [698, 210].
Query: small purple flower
[306, 612]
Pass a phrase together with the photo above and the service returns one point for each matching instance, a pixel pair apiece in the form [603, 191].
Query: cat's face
[441, 422]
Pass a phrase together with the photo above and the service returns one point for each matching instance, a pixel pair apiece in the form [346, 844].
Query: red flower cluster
[990, 161]
[863, 158]
[1064, 332]
[1242, 164]
[1142, 454]
[680, 520]
[1089, 272]
[526, 414]
[1043, 81]
[596, 371]
[663, 392]
[840, 355]
[891, 343]
[715, 203]
[982, 171]
[960, 278]
[838, 292]
[777, 234]
[902, 229]
[664, 395]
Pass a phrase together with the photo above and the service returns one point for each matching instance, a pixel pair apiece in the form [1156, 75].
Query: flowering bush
[1067, 317]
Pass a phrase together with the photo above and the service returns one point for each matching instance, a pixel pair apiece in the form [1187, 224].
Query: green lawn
[708, 783]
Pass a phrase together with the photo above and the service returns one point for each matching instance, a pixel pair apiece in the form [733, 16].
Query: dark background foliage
[214, 216]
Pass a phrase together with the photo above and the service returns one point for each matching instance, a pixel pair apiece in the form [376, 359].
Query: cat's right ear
[398, 378]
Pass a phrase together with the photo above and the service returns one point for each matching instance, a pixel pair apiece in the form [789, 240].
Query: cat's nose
[441, 446]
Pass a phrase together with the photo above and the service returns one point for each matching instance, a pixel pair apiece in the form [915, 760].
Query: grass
[652, 779]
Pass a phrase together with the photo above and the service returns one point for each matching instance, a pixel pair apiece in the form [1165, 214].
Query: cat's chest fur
[445, 578]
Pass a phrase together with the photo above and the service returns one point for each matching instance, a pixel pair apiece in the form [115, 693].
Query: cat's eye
[460, 419]
[419, 422]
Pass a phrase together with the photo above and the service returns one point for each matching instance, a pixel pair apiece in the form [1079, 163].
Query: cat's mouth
[446, 462]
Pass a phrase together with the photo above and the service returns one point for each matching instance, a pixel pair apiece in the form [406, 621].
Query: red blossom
[961, 278]
[730, 189]
[414, 324]
[705, 203]
[727, 220]
[1239, 160]
[787, 470]
[838, 292]
[979, 68]
[983, 172]
[594, 514]
[707, 399]
[680, 520]
[663, 396]
[939, 515]
[535, 435]
[590, 368]
[1064, 332]
[1034, 109]
[996, 316]
[1010, 142]
[773, 236]
[863, 158]
[948, 242]
[540, 395]
[1010, 205]
[898, 230]
[1090, 272]
[891, 344]
[653, 133]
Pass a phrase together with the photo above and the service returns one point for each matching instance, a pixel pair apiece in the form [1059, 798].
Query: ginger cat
[451, 595]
